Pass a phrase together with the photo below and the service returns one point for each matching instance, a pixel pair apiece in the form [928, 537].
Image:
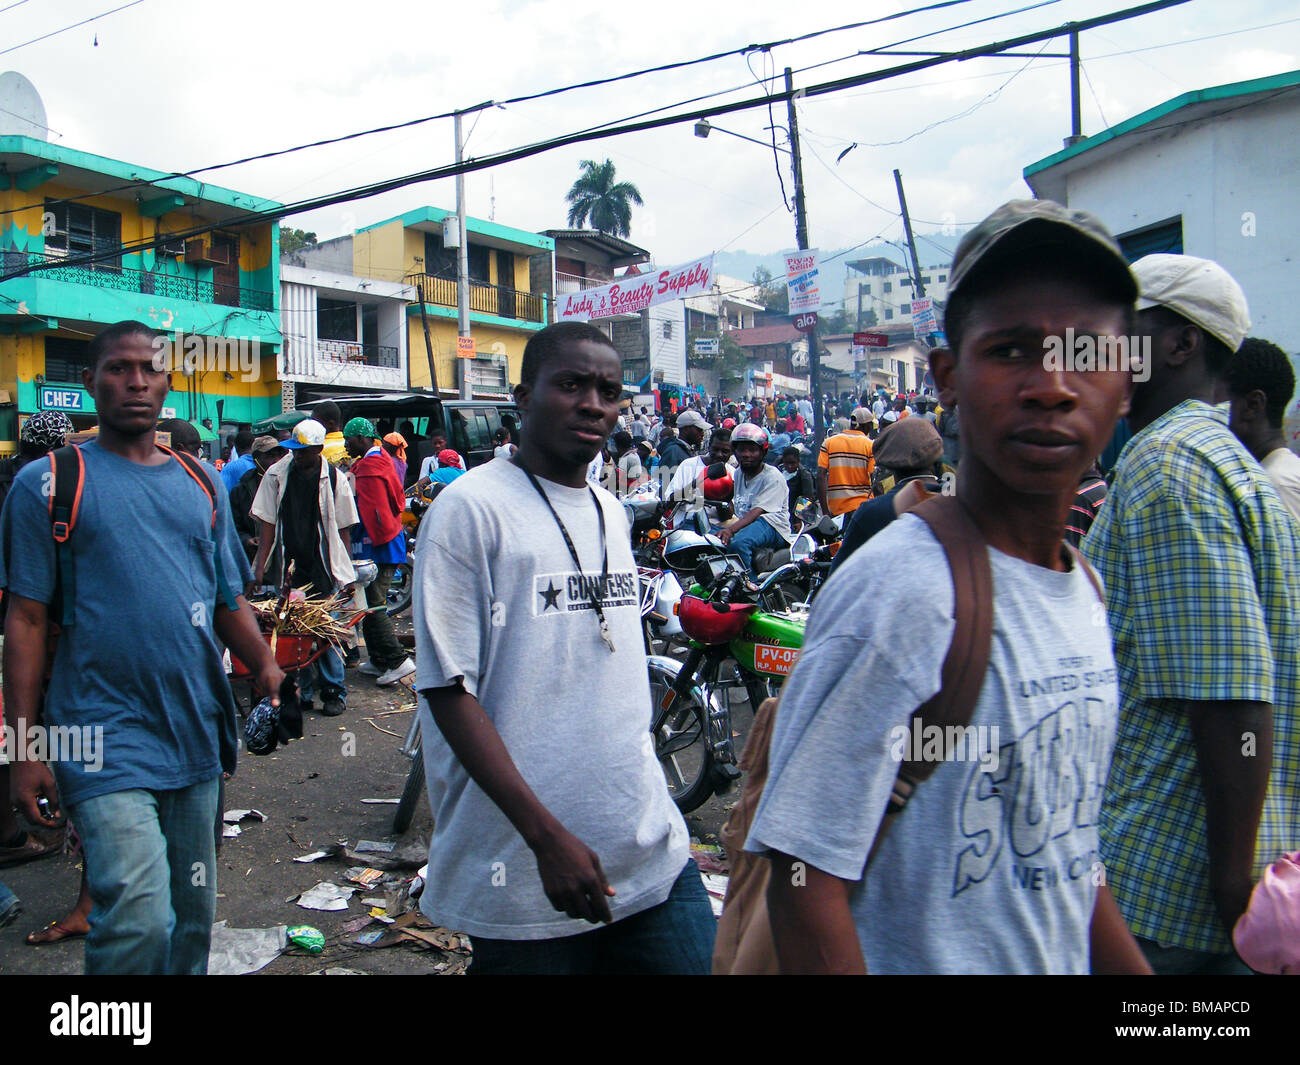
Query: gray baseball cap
[1023, 224]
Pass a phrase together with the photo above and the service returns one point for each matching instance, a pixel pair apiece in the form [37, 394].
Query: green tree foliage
[834, 324]
[292, 240]
[597, 200]
[772, 292]
[730, 361]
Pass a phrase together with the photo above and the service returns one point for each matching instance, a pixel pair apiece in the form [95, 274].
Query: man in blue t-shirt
[137, 684]
[241, 463]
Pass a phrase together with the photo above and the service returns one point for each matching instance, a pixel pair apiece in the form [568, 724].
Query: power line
[1093, 59]
[771, 125]
[595, 83]
[988, 98]
[29, 119]
[746, 230]
[537, 148]
[1095, 99]
[55, 33]
[10, 7]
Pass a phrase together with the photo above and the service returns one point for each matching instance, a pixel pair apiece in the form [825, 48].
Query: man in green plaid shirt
[1201, 563]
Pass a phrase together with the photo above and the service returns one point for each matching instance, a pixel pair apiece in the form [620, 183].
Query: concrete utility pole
[462, 268]
[801, 238]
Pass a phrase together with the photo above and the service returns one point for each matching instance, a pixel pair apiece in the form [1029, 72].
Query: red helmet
[716, 483]
[728, 423]
[749, 433]
[700, 621]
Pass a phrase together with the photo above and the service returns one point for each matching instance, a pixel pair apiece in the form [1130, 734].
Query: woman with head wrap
[380, 502]
[395, 445]
[43, 432]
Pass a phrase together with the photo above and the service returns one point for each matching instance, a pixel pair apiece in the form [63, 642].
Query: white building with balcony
[341, 333]
[880, 285]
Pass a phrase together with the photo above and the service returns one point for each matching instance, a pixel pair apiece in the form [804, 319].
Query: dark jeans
[381, 641]
[674, 938]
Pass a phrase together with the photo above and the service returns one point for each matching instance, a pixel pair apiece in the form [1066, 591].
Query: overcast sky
[177, 84]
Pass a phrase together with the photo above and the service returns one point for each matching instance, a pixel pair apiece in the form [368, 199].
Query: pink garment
[1267, 935]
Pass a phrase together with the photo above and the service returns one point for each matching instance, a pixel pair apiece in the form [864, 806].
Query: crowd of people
[1132, 763]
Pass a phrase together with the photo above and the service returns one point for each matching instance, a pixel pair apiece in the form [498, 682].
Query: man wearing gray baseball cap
[1202, 569]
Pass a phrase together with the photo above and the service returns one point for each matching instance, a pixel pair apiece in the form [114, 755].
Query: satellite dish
[21, 112]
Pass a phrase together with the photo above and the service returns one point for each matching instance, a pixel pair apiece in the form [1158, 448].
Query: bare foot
[70, 927]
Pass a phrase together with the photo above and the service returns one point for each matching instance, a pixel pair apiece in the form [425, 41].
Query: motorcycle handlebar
[728, 589]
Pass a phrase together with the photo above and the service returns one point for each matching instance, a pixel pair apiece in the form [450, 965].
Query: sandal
[34, 845]
[54, 932]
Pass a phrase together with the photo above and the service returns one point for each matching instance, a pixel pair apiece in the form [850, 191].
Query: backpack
[68, 477]
[744, 944]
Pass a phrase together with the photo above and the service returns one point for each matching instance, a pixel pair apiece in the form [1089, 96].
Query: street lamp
[702, 130]
[704, 127]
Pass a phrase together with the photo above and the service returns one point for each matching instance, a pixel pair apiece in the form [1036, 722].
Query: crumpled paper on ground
[410, 854]
[236, 951]
[325, 896]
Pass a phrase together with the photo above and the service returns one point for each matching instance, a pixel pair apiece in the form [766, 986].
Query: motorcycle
[738, 638]
[665, 567]
[401, 586]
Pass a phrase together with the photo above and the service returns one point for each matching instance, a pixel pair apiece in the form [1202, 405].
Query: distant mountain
[934, 249]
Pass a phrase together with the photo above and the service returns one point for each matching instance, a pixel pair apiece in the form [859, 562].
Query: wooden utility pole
[801, 238]
[918, 286]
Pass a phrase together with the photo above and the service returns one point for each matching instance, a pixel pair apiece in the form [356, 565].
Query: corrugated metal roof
[615, 247]
[762, 335]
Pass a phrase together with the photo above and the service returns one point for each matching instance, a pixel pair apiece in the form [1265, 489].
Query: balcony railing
[565, 283]
[483, 298]
[349, 351]
[147, 282]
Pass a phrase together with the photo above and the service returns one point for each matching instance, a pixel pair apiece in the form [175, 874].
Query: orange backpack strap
[194, 468]
[67, 480]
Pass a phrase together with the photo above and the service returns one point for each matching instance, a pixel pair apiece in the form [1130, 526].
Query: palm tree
[595, 198]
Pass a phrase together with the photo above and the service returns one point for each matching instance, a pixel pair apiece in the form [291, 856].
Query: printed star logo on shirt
[552, 596]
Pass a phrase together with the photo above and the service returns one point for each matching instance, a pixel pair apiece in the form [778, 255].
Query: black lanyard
[595, 597]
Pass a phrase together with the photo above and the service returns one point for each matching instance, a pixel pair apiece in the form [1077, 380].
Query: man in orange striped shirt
[845, 466]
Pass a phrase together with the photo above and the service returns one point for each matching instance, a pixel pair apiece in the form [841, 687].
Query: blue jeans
[674, 938]
[151, 867]
[7, 900]
[1183, 961]
[330, 668]
[757, 534]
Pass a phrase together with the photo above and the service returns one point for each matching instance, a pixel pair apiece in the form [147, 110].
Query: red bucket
[291, 652]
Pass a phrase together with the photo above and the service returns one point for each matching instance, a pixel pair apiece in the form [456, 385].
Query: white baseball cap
[1199, 290]
[307, 433]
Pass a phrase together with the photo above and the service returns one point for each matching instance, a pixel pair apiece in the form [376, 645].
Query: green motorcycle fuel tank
[769, 643]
